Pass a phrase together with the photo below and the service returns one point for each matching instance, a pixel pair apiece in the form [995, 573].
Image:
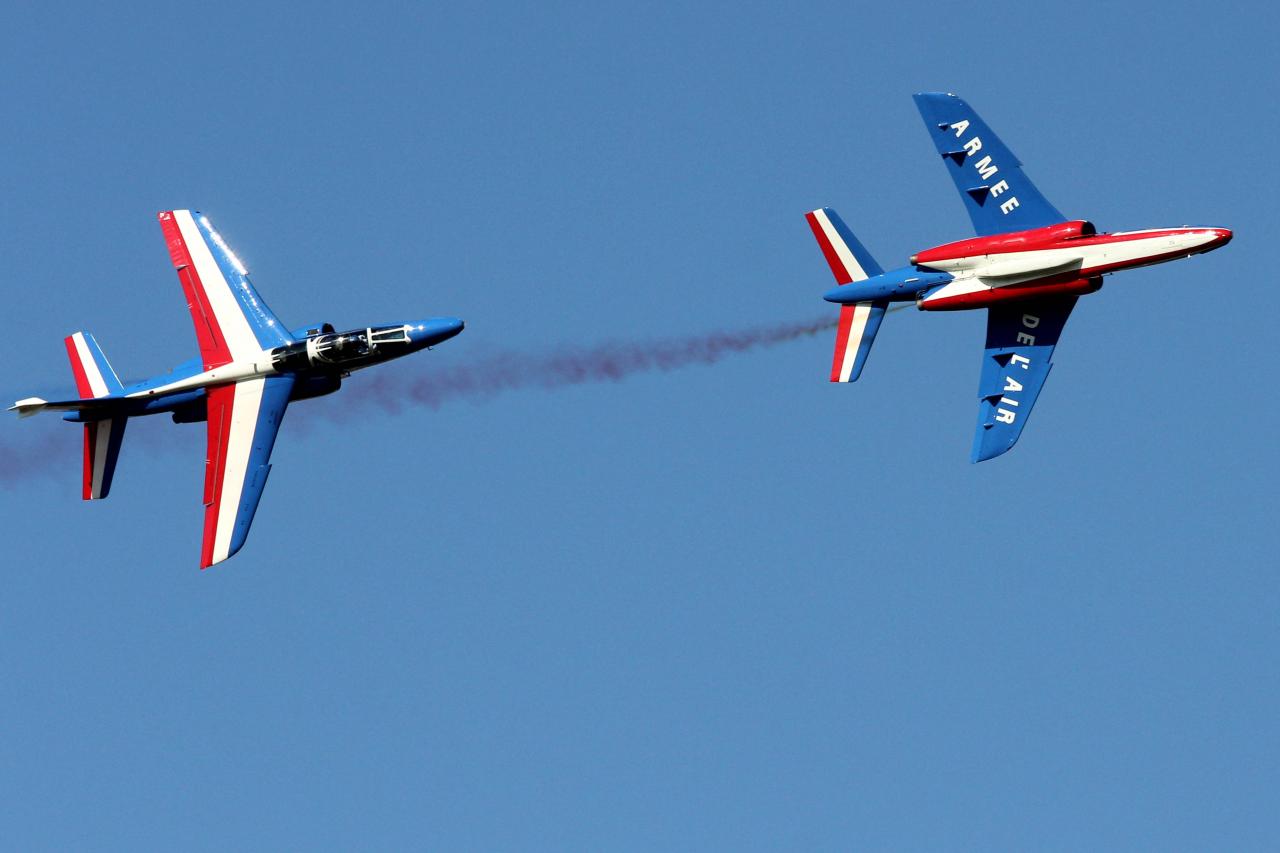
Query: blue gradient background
[729, 607]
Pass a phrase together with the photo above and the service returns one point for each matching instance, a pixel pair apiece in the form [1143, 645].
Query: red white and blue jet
[1027, 266]
[249, 369]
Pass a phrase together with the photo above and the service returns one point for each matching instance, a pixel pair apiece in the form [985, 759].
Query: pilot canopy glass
[389, 335]
[343, 350]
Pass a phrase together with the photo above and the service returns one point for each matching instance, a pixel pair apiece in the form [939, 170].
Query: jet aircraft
[249, 369]
[1027, 266]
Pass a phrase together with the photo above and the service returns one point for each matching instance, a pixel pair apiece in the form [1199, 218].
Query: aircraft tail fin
[102, 438]
[101, 450]
[94, 376]
[859, 323]
[849, 261]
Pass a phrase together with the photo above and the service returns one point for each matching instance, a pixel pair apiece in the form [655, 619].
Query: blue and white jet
[1027, 266]
[250, 368]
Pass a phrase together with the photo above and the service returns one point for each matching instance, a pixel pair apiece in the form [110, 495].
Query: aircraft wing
[1020, 341]
[244, 418]
[997, 194]
[232, 322]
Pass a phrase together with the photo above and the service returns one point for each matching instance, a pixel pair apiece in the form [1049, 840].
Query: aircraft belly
[959, 287]
[999, 270]
[1028, 268]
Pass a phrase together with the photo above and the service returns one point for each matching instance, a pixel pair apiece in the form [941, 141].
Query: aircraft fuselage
[1068, 258]
[319, 361]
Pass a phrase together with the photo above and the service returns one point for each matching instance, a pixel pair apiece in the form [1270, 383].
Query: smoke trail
[46, 448]
[612, 362]
[30, 457]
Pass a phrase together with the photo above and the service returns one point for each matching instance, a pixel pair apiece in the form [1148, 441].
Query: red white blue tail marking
[93, 373]
[101, 451]
[849, 262]
[95, 379]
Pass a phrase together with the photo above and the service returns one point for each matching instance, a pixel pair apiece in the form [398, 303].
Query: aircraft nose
[1221, 236]
[436, 330]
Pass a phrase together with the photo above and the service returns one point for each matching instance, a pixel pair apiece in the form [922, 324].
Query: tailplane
[102, 438]
[849, 262]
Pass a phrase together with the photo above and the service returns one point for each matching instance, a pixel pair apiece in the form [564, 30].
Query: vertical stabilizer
[849, 262]
[95, 378]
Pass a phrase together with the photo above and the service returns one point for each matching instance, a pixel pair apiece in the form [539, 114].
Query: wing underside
[997, 194]
[244, 418]
[231, 321]
[1020, 341]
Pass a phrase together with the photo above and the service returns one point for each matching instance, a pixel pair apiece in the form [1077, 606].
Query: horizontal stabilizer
[28, 407]
[100, 407]
[101, 451]
[856, 333]
[849, 261]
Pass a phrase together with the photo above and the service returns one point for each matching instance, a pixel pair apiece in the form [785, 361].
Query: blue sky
[726, 607]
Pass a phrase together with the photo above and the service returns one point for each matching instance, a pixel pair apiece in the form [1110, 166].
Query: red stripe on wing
[221, 402]
[83, 387]
[90, 445]
[213, 346]
[842, 340]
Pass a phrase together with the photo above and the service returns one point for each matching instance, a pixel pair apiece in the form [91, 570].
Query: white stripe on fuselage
[851, 265]
[244, 423]
[976, 273]
[240, 338]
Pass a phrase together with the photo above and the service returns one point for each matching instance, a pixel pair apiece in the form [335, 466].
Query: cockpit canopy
[336, 349]
[356, 345]
[343, 350]
[389, 335]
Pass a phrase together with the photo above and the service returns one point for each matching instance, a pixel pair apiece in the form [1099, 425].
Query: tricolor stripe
[844, 265]
[849, 334]
[101, 450]
[243, 421]
[849, 262]
[100, 432]
[220, 309]
[221, 412]
[95, 379]
[198, 286]
[94, 376]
